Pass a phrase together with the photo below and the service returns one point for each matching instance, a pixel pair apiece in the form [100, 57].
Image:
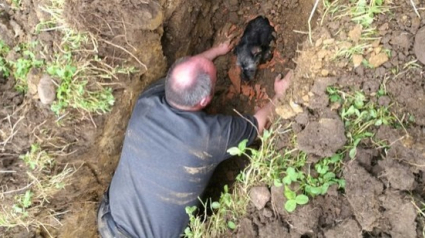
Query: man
[171, 148]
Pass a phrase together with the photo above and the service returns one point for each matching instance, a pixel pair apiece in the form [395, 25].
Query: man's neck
[185, 108]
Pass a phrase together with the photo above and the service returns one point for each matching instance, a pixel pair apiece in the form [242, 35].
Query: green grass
[23, 202]
[37, 159]
[272, 168]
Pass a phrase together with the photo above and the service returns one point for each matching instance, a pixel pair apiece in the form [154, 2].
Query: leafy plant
[360, 115]
[36, 158]
[23, 65]
[74, 92]
[23, 202]
[326, 177]
[293, 199]
[16, 4]
[364, 11]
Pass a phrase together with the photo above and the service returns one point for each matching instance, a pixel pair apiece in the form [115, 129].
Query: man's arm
[216, 51]
[280, 87]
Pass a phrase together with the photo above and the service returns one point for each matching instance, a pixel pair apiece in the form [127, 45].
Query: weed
[293, 199]
[4, 67]
[326, 170]
[37, 159]
[226, 211]
[360, 115]
[78, 73]
[23, 65]
[16, 4]
[363, 12]
[347, 51]
[22, 203]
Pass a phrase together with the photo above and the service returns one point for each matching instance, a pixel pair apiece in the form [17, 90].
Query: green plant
[37, 159]
[363, 12]
[16, 4]
[225, 212]
[74, 91]
[4, 67]
[23, 65]
[359, 115]
[293, 199]
[326, 170]
[23, 202]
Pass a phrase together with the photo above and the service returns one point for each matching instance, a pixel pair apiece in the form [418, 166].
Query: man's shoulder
[157, 87]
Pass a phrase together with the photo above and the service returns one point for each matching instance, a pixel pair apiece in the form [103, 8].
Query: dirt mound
[322, 138]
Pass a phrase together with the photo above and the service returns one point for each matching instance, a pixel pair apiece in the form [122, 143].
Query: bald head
[189, 81]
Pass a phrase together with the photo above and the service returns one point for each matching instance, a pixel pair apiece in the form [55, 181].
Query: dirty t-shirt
[167, 159]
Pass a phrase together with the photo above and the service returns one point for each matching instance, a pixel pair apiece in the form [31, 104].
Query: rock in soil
[33, 80]
[322, 138]
[378, 60]
[419, 47]
[259, 196]
[46, 90]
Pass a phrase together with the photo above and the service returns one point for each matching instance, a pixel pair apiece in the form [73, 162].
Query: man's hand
[227, 36]
[224, 48]
[281, 85]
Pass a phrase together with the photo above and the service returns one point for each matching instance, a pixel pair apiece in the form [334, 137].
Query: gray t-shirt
[167, 159]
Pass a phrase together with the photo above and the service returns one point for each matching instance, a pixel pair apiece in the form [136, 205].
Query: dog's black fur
[254, 47]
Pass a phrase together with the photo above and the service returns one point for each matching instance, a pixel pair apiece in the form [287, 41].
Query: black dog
[254, 47]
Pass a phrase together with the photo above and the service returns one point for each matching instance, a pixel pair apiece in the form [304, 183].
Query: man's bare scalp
[184, 74]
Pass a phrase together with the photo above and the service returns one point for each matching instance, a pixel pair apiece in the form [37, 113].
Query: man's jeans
[106, 224]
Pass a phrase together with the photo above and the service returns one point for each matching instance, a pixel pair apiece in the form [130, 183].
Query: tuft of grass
[73, 90]
[43, 184]
[4, 66]
[23, 202]
[364, 11]
[37, 159]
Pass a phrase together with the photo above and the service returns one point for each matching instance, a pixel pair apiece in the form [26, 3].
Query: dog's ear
[255, 50]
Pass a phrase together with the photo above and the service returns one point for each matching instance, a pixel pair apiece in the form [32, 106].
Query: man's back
[167, 159]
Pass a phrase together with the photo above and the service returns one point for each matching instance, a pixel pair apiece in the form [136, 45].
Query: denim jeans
[106, 224]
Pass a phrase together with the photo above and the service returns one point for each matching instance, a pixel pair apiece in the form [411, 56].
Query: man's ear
[205, 101]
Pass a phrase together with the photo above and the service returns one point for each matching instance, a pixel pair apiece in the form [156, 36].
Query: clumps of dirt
[348, 228]
[321, 214]
[419, 45]
[400, 165]
[398, 176]
[323, 137]
[113, 19]
[273, 228]
[363, 192]
[399, 215]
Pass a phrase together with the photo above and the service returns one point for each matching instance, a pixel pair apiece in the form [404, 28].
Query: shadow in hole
[225, 174]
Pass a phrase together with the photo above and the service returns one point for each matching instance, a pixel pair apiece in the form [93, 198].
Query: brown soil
[381, 183]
